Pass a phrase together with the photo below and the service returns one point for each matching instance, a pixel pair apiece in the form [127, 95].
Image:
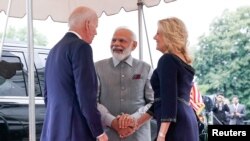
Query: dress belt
[157, 99]
[178, 98]
[183, 101]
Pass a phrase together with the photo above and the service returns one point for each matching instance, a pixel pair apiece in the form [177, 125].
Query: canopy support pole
[5, 28]
[140, 17]
[31, 86]
[140, 6]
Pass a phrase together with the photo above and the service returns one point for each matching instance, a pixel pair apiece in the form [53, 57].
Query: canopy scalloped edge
[43, 9]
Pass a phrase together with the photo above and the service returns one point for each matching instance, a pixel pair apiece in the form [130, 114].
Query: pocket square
[137, 76]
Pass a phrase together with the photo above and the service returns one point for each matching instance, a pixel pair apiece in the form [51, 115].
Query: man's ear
[87, 25]
[134, 45]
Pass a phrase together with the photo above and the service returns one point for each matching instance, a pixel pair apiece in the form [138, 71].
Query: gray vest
[123, 91]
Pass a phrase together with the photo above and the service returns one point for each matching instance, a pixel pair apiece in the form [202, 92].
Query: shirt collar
[75, 34]
[129, 61]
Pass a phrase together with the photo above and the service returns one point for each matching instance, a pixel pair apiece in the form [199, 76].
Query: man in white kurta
[124, 86]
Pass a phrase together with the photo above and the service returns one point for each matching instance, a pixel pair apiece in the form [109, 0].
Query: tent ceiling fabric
[59, 10]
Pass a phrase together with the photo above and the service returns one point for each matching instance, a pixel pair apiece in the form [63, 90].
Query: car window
[16, 85]
[40, 65]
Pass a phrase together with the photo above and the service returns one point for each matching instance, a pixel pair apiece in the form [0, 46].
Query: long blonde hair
[175, 36]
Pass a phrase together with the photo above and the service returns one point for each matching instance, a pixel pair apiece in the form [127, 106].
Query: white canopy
[59, 10]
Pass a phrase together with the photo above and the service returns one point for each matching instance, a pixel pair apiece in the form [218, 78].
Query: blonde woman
[172, 82]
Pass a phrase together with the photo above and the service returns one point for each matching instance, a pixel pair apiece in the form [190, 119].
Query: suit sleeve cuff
[100, 135]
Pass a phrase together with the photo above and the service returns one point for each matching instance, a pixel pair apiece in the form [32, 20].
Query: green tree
[20, 35]
[222, 59]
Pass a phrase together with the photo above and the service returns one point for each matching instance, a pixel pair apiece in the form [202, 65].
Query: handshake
[125, 125]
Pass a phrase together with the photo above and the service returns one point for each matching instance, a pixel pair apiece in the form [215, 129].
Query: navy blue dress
[172, 82]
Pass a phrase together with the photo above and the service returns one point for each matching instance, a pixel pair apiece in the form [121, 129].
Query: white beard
[121, 56]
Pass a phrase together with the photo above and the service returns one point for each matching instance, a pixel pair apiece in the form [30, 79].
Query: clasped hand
[125, 125]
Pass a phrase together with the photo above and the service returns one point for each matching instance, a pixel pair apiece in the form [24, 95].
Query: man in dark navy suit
[71, 84]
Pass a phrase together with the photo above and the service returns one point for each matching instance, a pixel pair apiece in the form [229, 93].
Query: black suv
[14, 99]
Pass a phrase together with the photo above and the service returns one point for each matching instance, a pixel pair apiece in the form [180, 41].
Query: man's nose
[116, 43]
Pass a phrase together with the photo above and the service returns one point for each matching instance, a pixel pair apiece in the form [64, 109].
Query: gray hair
[126, 28]
[79, 15]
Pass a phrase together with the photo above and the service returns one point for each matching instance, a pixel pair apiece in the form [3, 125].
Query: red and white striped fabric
[196, 99]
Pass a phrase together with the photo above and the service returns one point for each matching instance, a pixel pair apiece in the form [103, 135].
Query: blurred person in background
[237, 112]
[220, 110]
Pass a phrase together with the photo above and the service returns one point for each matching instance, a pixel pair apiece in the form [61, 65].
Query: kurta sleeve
[106, 116]
[148, 95]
